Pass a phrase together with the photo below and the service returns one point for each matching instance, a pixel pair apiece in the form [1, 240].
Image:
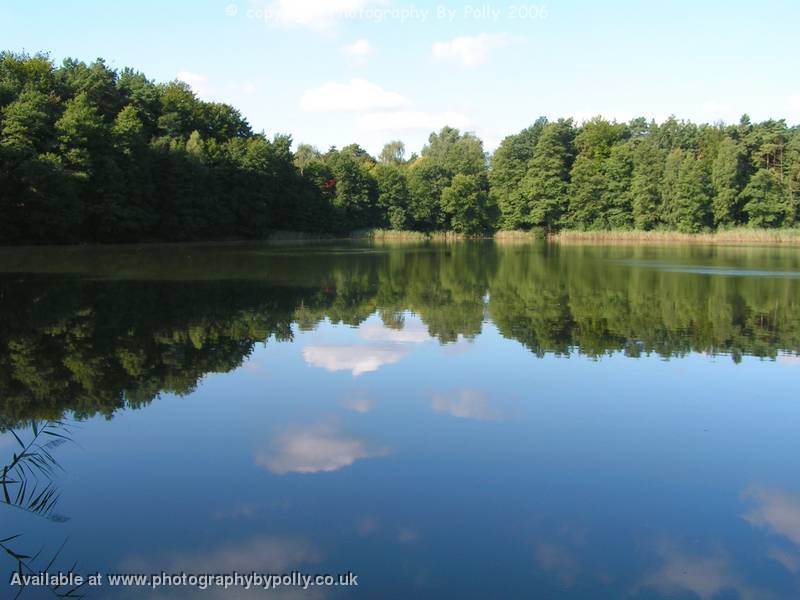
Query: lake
[462, 420]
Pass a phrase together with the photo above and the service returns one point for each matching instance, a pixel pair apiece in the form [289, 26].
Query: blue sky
[332, 72]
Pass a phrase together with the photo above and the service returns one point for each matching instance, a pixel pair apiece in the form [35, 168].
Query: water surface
[463, 420]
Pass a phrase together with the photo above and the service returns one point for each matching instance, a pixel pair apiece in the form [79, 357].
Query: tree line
[117, 338]
[92, 154]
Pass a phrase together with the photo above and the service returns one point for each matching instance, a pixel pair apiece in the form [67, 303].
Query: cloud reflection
[558, 560]
[407, 535]
[789, 560]
[358, 403]
[358, 359]
[314, 449]
[264, 554]
[466, 403]
[775, 510]
[412, 332]
[366, 525]
[706, 576]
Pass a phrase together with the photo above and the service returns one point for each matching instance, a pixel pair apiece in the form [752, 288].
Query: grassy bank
[390, 235]
[511, 236]
[729, 236]
[741, 236]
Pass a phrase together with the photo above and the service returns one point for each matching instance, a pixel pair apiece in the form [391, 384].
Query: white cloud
[717, 110]
[469, 51]
[320, 15]
[198, 82]
[791, 360]
[208, 90]
[714, 107]
[465, 403]
[356, 95]
[357, 359]
[412, 119]
[314, 449]
[794, 108]
[587, 114]
[358, 51]
[775, 510]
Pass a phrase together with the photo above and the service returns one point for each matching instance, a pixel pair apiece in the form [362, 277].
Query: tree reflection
[94, 335]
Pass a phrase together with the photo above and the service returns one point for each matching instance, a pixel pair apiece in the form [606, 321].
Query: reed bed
[391, 235]
[741, 235]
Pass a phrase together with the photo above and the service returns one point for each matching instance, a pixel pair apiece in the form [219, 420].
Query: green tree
[587, 191]
[509, 165]
[355, 199]
[426, 180]
[617, 197]
[22, 72]
[305, 155]
[646, 182]
[128, 131]
[727, 175]
[37, 198]
[393, 152]
[26, 124]
[89, 153]
[466, 203]
[765, 200]
[544, 187]
[688, 199]
[456, 152]
[589, 183]
[179, 107]
[81, 133]
[393, 195]
[96, 81]
[792, 175]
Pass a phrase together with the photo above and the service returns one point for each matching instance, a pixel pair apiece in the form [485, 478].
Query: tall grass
[390, 235]
[739, 235]
[515, 235]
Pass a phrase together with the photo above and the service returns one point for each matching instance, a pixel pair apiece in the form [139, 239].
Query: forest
[93, 154]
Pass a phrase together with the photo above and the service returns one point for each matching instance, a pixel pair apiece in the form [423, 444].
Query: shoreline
[739, 236]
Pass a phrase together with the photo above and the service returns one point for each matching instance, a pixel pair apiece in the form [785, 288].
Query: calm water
[464, 421]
